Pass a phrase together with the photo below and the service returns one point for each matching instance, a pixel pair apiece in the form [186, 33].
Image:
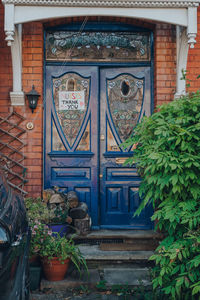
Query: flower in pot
[37, 210]
[56, 252]
[37, 216]
[39, 233]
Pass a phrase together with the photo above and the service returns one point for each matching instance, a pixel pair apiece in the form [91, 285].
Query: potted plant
[37, 215]
[57, 206]
[56, 252]
[57, 219]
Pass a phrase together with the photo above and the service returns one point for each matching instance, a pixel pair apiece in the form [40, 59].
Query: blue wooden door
[71, 139]
[125, 99]
[89, 112]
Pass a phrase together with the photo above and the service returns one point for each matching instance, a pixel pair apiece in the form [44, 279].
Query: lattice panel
[11, 150]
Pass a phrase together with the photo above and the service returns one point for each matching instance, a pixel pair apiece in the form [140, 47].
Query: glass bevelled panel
[111, 142]
[97, 46]
[84, 144]
[57, 144]
[125, 98]
[71, 96]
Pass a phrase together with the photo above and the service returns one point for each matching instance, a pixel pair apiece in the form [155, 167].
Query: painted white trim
[106, 3]
[9, 26]
[192, 26]
[17, 96]
[181, 64]
[175, 16]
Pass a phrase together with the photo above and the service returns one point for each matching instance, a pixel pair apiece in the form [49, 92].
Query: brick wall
[164, 80]
[165, 63]
[32, 74]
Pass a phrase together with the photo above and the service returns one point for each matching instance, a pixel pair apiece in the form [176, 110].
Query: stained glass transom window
[71, 96]
[97, 46]
[125, 98]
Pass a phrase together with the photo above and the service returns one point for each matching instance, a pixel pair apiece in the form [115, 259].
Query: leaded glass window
[71, 97]
[97, 46]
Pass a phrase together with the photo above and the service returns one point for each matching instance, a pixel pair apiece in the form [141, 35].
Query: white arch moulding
[182, 13]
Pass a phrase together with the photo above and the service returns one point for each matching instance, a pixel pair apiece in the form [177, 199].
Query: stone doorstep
[72, 281]
[115, 267]
[94, 253]
[121, 240]
[121, 234]
[112, 276]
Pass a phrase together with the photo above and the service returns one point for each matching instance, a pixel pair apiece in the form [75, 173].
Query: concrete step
[120, 234]
[122, 240]
[113, 275]
[113, 267]
[95, 253]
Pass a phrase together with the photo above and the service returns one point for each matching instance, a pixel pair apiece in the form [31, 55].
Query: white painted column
[17, 95]
[192, 26]
[182, 48]
[9, 23]
[14, 37]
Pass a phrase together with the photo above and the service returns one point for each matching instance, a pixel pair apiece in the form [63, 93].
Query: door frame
[93, 26]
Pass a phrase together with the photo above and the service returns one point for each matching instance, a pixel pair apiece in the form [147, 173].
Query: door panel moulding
[178, 12]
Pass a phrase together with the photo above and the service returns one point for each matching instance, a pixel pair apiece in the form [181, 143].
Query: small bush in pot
[56, 253]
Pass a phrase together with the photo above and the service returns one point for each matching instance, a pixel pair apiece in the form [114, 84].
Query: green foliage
[37, 210]
[101, 285]
[167, 155]
[62, 248]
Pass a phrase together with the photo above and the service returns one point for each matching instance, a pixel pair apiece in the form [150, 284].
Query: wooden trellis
[11, 150]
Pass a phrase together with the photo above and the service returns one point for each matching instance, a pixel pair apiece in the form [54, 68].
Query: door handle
[102, 137]
[100, 175]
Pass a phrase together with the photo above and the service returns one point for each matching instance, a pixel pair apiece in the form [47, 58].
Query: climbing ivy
[167, 154]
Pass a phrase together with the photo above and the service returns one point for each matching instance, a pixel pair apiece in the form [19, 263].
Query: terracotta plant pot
[54, 269]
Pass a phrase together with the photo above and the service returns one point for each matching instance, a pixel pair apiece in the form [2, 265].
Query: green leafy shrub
[167, 155]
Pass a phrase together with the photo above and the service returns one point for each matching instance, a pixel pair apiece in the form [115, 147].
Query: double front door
[89, 112]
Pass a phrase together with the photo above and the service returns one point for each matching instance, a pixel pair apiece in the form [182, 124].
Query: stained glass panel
[111, 142]
[93, 46]
[71, 95]
[125, 97]
[57, 144]
[84, 144]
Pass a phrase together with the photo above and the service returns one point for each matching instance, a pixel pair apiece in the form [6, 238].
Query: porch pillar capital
[9, 26]
[192, 26]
